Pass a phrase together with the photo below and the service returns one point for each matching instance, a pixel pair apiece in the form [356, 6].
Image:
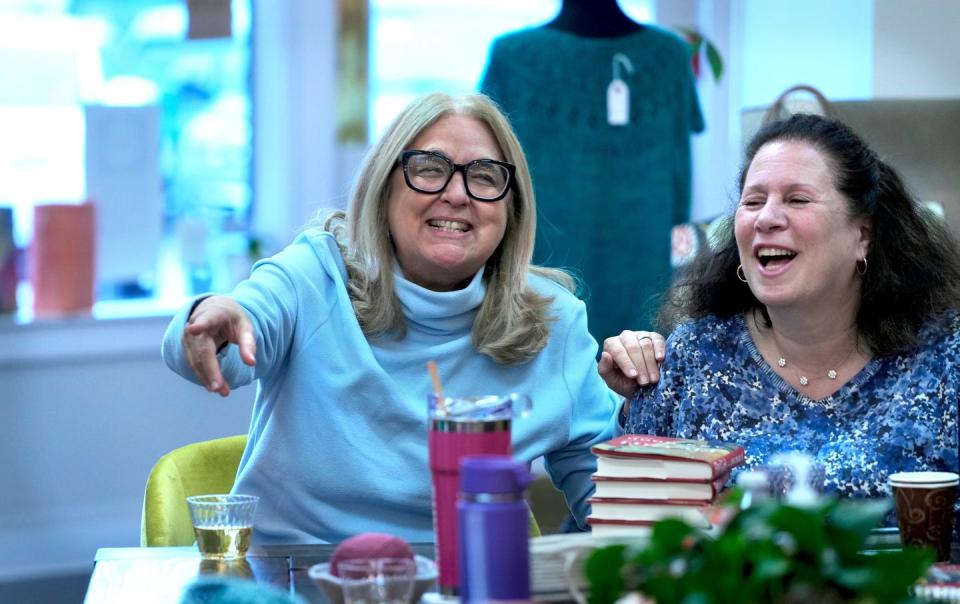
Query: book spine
[592, 520]
[649, 502]
[647, 479]
[728, 462]
[720, 483]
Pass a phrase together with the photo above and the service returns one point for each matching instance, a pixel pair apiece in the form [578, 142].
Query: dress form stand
[593, 19]
[619, 96]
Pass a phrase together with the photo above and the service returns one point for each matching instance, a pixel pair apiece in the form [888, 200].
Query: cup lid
[479, 408]
[924, 479]
[493, 474]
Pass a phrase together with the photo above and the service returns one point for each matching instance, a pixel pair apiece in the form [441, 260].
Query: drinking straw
[437, 388]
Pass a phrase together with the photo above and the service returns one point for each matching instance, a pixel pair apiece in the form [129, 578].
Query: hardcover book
[649, 456]
[601, 527]
[694, 512]
[658, 489]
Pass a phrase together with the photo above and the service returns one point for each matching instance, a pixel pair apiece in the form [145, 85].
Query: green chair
[547, 505]
[195, 469]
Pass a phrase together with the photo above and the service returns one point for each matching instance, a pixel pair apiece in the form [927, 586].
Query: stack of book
[642, 478]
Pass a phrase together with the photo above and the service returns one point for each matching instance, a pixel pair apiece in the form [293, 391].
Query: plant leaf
[696, 598]
[695, 47]
[859, 517]
[672, 536]
[716, 63]
[850, 523]
[770, 568]
[893, 573]
[804, 525]
[603, 571]
[769, 552]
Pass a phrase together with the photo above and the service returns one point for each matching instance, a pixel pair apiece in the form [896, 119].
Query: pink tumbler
[461, 426]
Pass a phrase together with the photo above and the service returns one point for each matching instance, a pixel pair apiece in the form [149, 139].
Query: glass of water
[223, 524]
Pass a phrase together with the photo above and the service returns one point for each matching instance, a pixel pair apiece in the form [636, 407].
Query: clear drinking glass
[377, 580]
[223, 524]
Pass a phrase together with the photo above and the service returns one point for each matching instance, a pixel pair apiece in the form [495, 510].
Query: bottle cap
[753, 480]
[493, 474]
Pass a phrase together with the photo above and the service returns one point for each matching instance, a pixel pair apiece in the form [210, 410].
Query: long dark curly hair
[913, 264]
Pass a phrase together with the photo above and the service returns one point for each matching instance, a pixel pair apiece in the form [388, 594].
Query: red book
[694, 512]
[649, 456]
[658, 489]
[607, 526]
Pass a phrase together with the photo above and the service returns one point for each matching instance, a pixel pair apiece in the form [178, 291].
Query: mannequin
[593, 19]
[607, 188]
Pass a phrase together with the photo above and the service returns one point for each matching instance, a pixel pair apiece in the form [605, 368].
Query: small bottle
[801, 493]
[755, 487]
[494, 530]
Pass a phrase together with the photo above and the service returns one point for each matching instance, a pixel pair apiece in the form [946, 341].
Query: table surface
[160, 574]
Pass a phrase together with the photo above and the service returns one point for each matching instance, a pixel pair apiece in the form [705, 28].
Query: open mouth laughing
[774, 258]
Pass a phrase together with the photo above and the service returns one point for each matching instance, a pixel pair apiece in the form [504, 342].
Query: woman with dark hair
[827, 321]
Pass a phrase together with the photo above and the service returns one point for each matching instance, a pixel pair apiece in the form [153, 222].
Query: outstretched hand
[215, 322]
[631, 360]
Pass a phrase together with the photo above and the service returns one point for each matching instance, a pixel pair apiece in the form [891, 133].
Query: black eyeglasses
[431, 172]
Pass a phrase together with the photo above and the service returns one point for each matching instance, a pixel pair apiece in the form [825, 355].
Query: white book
[651, 488]
[651, 456]
[695, 513]
[602, 527]
[627, 467]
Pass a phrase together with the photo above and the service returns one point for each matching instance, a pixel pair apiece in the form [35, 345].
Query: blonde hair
[512, 325]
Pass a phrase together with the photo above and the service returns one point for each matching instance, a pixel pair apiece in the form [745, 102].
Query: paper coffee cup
[925, 508]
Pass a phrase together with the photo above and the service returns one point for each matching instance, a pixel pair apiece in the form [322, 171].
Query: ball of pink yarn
[367, 546]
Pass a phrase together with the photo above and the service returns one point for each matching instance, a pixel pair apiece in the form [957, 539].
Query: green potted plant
[700, 45]
[769, 553]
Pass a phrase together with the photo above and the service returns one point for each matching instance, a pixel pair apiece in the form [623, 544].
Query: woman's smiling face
[442, 239]
[798, 243]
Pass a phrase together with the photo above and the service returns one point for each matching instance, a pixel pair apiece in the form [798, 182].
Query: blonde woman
[431, 261]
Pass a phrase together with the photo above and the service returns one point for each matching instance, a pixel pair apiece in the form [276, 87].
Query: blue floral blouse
[898, 414]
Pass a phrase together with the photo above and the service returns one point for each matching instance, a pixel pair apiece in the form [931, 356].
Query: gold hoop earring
[740, 274]
[862, 271]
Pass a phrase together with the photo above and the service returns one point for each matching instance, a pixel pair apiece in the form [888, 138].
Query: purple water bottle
[494, 530]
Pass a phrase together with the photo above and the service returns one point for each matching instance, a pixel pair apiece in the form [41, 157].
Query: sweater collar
[439, 312]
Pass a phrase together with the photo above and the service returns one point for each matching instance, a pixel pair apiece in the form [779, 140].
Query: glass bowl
[332, 587]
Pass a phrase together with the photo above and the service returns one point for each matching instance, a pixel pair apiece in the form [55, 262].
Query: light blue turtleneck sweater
[338, 437]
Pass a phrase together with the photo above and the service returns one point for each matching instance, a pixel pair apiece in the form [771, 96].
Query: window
[421, 46]
[143, 107]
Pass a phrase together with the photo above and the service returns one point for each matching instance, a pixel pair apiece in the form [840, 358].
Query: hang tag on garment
[618, 103]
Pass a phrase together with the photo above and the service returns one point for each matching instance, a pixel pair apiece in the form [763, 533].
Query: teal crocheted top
[607, 196]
